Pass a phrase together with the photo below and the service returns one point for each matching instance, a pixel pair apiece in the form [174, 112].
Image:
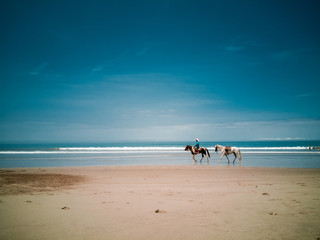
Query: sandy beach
[159, 202]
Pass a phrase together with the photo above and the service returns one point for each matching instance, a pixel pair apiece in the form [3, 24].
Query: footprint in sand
[265, 194]
[65, 208]
[302, 184]
[159, 211]
[273, 213]
[275, 199]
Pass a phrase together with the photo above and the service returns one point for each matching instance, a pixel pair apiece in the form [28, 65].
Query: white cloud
[98, 68]
[37, 70]
[290, 54]
[255, 63]
[229, 131]
[234, 48]
[143, 51]
[281, 139]
[303, 95]
[295, 129]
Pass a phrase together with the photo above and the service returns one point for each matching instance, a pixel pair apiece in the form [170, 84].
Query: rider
[197, 146]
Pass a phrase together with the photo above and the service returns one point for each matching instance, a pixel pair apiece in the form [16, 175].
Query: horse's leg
[194, 159]
[227, 157]
[207, 159]
[221, 158]
[201, 159]
[235, 156]
[240, 157]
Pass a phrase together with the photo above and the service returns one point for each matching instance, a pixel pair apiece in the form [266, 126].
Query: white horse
[236, 152]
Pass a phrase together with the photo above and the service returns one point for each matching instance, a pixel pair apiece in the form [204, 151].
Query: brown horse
[194, 152]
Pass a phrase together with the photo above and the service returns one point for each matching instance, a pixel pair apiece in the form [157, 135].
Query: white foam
[84, 152]
[168, 148]
[133, 150]
[274, 148]
[279, 152]
[120, 148]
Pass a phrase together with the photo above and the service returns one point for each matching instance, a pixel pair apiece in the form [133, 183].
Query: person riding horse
[197, 146]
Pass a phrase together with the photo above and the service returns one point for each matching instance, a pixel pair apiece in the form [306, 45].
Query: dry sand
[160, 202]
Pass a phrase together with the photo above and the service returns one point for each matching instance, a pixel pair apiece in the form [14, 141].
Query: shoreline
[161, 202]
[254, 154]
[146, 166]
[290, 160]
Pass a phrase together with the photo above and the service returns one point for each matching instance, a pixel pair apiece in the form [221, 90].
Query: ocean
[290, 154]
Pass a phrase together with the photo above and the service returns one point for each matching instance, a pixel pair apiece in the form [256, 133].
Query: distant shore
[159, 202]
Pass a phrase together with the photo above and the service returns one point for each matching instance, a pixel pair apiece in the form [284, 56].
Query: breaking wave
[124, 150]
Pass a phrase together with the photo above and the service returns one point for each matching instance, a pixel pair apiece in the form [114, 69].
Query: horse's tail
[208, 153]
[240, 156]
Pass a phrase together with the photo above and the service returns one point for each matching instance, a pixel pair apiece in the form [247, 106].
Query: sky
[131, 70]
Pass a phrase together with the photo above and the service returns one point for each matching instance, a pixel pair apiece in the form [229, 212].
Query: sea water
[292, 154]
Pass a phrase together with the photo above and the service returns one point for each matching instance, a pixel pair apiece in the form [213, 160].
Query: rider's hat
[197, 139]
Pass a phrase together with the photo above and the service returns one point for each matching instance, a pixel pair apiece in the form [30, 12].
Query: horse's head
[188, 147]
[216, 149]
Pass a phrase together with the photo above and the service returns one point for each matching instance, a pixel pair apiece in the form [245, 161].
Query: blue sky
[159, 70]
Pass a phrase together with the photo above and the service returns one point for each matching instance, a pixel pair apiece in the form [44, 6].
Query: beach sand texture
[160, 202]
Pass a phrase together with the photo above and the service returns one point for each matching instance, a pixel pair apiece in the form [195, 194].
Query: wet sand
[160, 202]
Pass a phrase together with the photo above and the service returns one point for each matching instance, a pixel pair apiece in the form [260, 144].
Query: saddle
[227, 149]
[196, 150]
